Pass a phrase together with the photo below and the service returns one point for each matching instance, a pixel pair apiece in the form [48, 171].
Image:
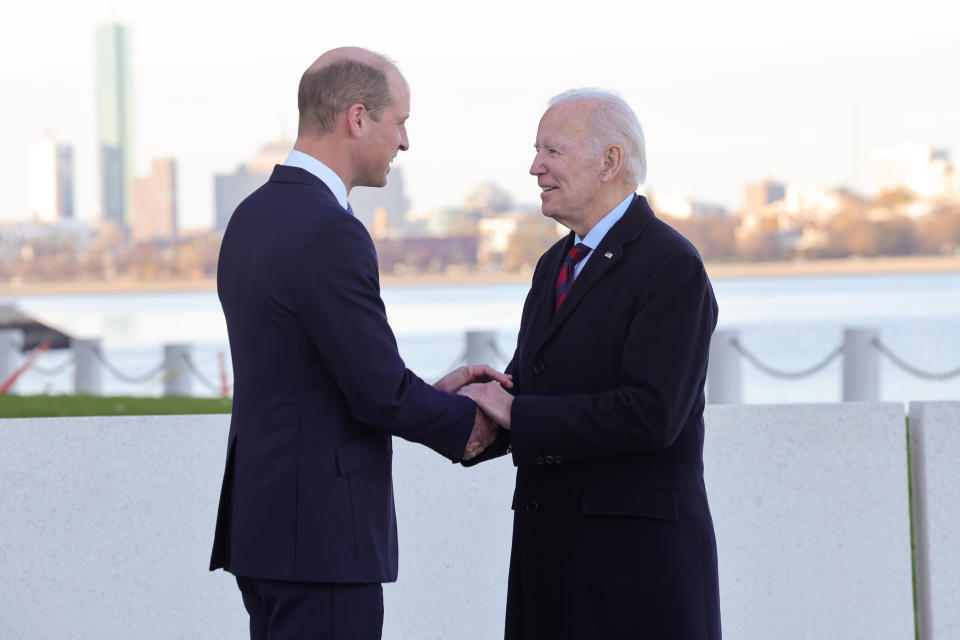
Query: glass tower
[115, 122]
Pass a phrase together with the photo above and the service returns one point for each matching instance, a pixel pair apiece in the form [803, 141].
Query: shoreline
[716, 270]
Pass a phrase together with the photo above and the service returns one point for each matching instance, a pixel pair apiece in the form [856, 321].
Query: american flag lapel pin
[608, 255]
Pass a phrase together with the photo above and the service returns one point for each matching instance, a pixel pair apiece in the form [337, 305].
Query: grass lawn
[12, 406]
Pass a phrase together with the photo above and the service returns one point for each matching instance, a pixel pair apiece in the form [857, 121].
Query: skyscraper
[115, 122]
[155, 203]
[231, 188]
[51, 180]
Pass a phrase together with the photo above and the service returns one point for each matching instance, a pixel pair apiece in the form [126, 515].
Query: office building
[115, 122]
[230, 189]
[51, 181]
[757, 196]
[155, 203]
[928, 172]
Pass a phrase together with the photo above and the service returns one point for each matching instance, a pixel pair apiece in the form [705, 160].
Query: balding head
[340, 78]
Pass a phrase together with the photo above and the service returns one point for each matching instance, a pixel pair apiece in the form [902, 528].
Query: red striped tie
[565, 278]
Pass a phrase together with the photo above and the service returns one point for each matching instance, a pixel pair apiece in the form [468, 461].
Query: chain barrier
[787, 375]
[898, 361]
[192, 368]
[53, 371]
[146, 377]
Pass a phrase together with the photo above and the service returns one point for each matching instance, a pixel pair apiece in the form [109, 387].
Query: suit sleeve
[660, 378]
[339, 303]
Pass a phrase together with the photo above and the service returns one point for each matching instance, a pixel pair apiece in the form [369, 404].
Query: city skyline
[726, 97]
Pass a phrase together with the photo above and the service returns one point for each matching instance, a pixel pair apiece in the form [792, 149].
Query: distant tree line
[881, 227]
[852, 232]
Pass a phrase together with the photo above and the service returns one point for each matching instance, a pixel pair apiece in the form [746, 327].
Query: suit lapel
[603, 259]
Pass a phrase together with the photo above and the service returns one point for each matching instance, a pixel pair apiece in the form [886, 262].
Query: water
[789, 323]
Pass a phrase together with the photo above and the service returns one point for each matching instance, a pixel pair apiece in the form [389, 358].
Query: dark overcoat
[612, 533]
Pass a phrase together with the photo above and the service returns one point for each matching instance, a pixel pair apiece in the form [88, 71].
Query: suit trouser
[307, 611]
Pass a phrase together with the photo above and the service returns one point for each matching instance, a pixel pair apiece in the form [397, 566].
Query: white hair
[614, 123]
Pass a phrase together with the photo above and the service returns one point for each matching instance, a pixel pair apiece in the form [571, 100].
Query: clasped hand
[477, 383]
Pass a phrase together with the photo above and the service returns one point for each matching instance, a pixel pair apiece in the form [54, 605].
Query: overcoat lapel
[603, 260]
[546, 292]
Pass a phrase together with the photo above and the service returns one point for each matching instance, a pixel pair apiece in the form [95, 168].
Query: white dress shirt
[595, 235]
[322, 171]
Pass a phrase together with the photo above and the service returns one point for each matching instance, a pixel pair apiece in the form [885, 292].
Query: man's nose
[537, 167]
[404, 142]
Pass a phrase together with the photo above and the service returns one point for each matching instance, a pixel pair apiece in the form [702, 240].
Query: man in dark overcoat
[612, 534]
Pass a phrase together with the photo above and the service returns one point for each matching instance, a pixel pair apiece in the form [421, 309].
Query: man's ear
[612, 162]
[357, 119]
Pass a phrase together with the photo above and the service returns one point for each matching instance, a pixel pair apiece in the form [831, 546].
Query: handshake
[487, 388]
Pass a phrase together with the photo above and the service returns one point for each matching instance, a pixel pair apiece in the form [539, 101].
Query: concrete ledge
[106, 526]
[455, 528]
[935, 455]
[810, 505]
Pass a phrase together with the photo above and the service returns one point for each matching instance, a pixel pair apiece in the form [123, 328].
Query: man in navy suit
[306, 519]
[612, 534]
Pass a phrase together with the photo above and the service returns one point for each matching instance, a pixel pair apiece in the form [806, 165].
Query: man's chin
[378, 181]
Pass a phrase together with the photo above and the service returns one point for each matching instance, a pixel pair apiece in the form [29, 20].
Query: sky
[728, 93]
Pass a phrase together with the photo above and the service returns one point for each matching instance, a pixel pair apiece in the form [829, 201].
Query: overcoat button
[532, 506]
[538, 367]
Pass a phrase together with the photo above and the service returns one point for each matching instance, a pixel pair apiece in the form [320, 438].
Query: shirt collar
[322, 171]
[595, 236]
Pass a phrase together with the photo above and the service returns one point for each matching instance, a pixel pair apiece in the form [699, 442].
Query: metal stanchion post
[724, 384]
[11, 347]
[482, 349]
[177, 380]
[87, 372]
[861, 366]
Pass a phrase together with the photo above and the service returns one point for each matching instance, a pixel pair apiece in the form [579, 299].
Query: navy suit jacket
[319, 389]
[613, 536]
